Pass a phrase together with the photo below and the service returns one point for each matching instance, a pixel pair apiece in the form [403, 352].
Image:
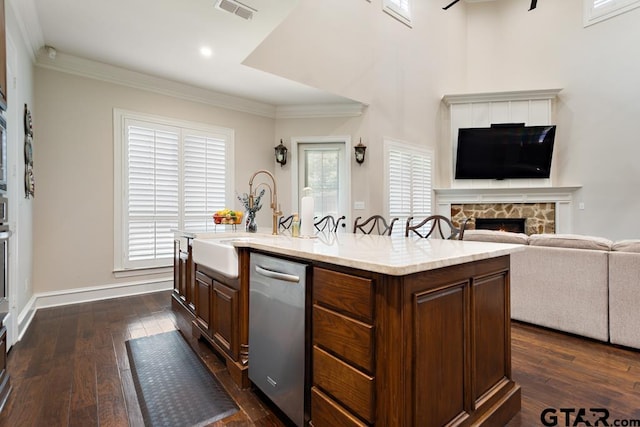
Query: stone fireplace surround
[547, 209]
[539, 217]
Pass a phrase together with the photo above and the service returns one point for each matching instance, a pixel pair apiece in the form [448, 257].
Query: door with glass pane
[322, 167]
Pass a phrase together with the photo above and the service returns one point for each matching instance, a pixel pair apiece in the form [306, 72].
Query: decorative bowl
[229, 218]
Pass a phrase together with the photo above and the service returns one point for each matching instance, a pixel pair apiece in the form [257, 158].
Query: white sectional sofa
[584, 285]
[624, 293]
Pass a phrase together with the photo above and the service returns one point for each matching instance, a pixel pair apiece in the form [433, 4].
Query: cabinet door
[203, 299]
[180, 276]
[190, 282]
[176, 266]
[225, 318]
[491, 336]
[439, 316]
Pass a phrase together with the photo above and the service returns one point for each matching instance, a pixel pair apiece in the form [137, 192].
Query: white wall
[19, 93]
[73, 207]
[286, 129]
[597, 111]
[354, 49]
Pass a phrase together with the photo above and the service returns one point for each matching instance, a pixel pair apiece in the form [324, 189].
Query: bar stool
[329, 223]
[436, 223]
[377, 222]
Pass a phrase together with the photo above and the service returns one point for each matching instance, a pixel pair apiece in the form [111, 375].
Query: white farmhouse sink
[217, 254]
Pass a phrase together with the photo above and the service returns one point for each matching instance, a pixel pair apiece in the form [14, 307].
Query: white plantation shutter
[599, 10]
[152, 190]
[170, 176]
[205, 183]
[399, 183]
[409, 181]
[421, 184]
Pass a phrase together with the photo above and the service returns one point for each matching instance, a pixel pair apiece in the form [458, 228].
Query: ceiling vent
[235, 7]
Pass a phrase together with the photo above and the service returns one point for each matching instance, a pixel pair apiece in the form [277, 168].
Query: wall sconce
[281, 154]
[360, 149]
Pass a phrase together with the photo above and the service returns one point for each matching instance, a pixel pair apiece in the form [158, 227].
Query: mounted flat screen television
[505, 151]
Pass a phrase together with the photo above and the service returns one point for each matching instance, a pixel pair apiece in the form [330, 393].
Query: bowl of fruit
[227, 216]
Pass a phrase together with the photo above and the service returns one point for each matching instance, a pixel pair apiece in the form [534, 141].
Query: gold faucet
[274, 197]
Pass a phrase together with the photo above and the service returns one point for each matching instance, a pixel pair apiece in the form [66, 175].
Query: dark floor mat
[174, 388]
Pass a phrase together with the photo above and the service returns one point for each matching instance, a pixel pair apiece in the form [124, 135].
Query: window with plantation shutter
[599, 10]
[408, 181]
[399, 9]
[169, 175]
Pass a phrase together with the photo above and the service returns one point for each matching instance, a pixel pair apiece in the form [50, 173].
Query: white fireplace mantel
[561, 196]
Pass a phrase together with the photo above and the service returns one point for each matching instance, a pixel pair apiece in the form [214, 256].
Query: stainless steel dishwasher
[277, 332]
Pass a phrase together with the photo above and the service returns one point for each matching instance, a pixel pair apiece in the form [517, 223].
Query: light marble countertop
[395, 255]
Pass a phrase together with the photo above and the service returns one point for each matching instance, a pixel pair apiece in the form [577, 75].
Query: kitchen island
[402, 332]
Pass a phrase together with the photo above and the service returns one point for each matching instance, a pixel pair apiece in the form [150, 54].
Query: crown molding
[519, 95]
[351, 109]
[109, 73]
[29, 24]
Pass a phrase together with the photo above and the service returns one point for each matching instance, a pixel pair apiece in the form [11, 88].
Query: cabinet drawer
[351, 339]
[327, 413]
[352, 388]
[344, 292]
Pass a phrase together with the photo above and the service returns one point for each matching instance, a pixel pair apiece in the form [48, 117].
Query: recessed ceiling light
[206, 51]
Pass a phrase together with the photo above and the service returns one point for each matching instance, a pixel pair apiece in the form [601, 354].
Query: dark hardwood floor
[71, 369]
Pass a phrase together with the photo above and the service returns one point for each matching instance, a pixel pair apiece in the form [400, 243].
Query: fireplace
[514, 225]
[537, 217]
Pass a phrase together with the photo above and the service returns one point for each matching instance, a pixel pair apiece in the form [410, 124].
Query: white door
[322, 167]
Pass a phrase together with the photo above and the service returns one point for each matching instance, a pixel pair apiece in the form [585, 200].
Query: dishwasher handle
[277, 275]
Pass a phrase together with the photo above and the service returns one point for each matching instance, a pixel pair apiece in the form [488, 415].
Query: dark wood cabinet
[225, 319]
[343, 347]
[183, 273]
[215, 306]
[222, 315]
[217, 312]
[204, 284]
[430, 348]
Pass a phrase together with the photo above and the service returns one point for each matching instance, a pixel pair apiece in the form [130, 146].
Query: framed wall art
[29, 180]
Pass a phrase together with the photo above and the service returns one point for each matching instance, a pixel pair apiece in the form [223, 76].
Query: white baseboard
[88, 294]
[25, 317]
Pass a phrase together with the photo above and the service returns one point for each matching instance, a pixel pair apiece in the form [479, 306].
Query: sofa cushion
[496, 236]
[632, 245]
[572, 241]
